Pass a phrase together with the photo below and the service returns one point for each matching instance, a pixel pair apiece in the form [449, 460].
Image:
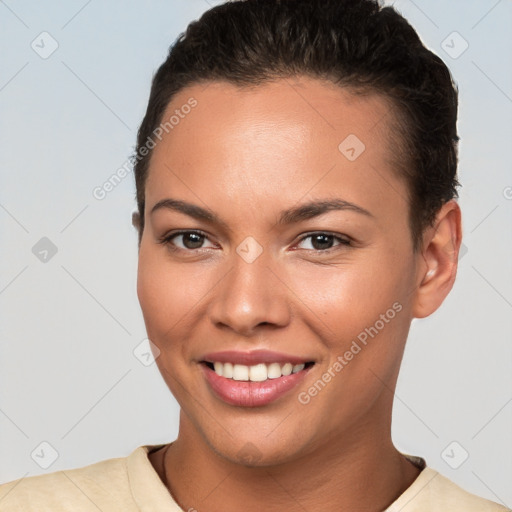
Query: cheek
[167, 294]
[345, 298]
[160, 291]
[170, 294]
[359, 312]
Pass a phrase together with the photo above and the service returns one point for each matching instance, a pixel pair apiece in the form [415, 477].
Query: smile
[256, 373]
[253, 386]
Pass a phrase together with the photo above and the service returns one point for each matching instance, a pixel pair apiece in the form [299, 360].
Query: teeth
[274, 371]
[298, 368]
[287, 369]
[257, 373]
[227, 370]
[240, 372]
[218, 367]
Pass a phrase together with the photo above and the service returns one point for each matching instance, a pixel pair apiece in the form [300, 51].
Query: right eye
[190, 240]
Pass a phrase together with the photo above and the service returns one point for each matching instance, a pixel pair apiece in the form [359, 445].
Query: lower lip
[251, 394]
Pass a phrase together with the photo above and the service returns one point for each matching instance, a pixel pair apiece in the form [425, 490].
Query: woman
[296, 185]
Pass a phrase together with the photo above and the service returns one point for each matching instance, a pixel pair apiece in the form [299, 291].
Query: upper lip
[253, 357]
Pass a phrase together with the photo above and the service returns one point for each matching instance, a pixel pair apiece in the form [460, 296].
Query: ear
[438, 260]
[136, 220]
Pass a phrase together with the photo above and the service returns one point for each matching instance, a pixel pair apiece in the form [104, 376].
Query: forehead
[280, 138]
[301, 105]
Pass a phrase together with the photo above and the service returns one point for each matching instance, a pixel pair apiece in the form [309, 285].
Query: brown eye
[190, 240]
[324, 241]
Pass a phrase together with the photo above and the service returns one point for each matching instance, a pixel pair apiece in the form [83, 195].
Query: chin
[257, 451]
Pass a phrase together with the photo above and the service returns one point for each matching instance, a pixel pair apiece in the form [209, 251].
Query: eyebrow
[292, 215]
[315, 208]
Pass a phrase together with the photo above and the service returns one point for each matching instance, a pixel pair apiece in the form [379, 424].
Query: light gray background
[68, 375]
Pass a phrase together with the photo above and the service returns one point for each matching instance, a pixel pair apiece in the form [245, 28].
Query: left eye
[324, 241]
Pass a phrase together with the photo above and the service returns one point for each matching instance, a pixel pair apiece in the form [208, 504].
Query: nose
[250, 297]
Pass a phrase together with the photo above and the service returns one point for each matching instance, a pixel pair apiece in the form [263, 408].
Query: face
[276, 231]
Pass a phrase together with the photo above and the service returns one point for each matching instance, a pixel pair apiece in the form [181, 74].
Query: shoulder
[433, 492]
[455, 497]
[102, 486]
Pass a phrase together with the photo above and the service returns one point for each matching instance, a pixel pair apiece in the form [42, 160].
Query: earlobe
[437, 267]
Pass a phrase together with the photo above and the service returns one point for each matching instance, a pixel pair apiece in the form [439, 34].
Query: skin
[246, 154]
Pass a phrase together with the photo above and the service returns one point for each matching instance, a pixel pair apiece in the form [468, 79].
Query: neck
[359, 470]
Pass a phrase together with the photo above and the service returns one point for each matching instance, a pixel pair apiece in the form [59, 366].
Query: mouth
[253, 386]
[260, 372]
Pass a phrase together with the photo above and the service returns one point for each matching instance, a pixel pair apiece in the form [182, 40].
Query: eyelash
[166, 239]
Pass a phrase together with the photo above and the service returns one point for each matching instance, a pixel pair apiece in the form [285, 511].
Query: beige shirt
[131, 484]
